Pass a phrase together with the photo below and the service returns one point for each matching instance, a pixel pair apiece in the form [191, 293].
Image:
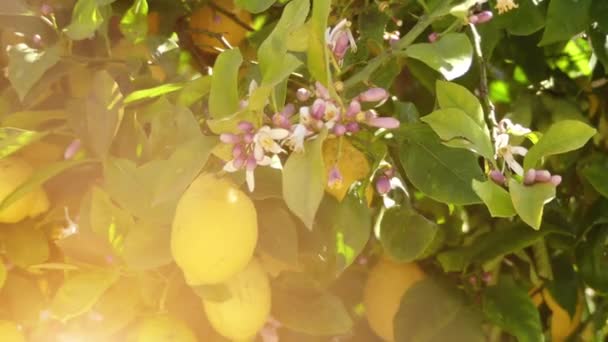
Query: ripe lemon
[207, 20]
[562, 325]
[352, 164]
[386, 283]
[14, 172]
[215, 231]
[162, 328]
[242, 315]
[10, 333]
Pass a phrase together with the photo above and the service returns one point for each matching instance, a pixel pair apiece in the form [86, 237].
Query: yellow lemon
[14, 172]
[10, 333]
[242, 315]
[387, 282]
[206, 22]
[562, 325]
[352, 164]
[215, 231]
[162, 328]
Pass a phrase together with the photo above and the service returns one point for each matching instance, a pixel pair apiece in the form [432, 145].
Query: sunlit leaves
[134, 23]
[451, 55]
[529, 201]
[318, 57]
[26, 66]
[255, 6]
[87, 17]
[13, 139]
[145, 94]
[495, 197]
[25, 245]
[565, 19]
[453, 95]
[406, 235]
[524, 20]
[224, 96]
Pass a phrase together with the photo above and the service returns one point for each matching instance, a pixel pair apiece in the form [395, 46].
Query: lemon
[10, 333]
[14, 172]
[562, 325]
[242, 315]
[207, 20]
[162, 328]
[352, 164]
[387, 282]
[215, 231]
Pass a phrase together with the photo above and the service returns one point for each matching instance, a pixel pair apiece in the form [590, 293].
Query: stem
[484, 93]
[424, 22]
[230, 15]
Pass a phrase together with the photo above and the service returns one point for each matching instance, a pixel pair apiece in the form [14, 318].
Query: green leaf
[596, 174]
[495, 197]
[87, 17]
[320, 315]
[80, 292]
[318, 58]
[147, 246]
[26, 66]
[510, 307]
[453, 95]
[599, 14]
[443, 173]
[25, 245]
[31, 119]
[39, 177]
[304, 180]
[451, 55]
[351, 228]
[591, 258]
[600, 48]
[565, 19]
[13, 139]
[529, 201]
[193, 91]
[255, 6]
[224, 95]
[431, 313]
[278, 235]
[563, 136]
[107, 219]
[454, 125]
[134, 23]
[150, 93]
[406, 235]
[524, 20]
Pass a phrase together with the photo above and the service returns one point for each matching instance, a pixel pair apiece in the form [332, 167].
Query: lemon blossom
[508, 153]
[265, 140]
[340, 38]
[504, 6]
[295, 141]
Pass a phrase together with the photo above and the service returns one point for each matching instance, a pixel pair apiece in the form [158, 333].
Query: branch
[230, 15]
[484, 94]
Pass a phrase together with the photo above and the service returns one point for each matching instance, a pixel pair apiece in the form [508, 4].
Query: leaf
[278, 235]
[22, 298]
[453, 95]
[3, 274]
[31, 119]
[319, 315]
[596, 173]
[13, 139]
[591, 258]
[80, 292]
[87, 17]
[147, 246]
[193, 91]
[451, 55]
[134, 23]
[406, 235]
[565, 19]
[431, 313]
[529, 201]
[304, 180]
[600, 48]
[224, 95]
[599, 14]
[563, 136]
[107, 219]
[254, 6]
[14, 8]
[25, 245]
[524, 20]
[39, 177]
[26, 66]
[443, 173]
[150, 93]
[454, 124]
[509, 306]
[495, 197]
[318, 59]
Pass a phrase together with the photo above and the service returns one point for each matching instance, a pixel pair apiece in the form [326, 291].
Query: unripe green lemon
[10, 333]
[14, 172]
[162, 328]
[242, 315]
[215, 231]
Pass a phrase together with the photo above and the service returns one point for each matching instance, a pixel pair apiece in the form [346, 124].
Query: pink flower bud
[229, 138]
[373, 95]
[353, 127]
[245, 126]
[556, 180]
[473, 19]
[248, 138]
[239, 161]
[483, 17]
[433, 37]
[530, 177]
[318, 109]
[289, 110]
[383, 185]
[341, 46]
[487, 277]
[497, 177]
[72, 149]
[46, 9]
[542, 176]
[389, 172]
[334, 179]
[252, 163]
[237, 151]
[339, 130]
[303, 94]
[321, 91]
[354, 108]
[383, 122]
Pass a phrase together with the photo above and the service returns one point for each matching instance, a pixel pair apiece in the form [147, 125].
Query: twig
[230, 15]
[484, 93]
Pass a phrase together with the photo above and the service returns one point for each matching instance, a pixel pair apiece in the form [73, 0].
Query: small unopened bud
[252, 163]
[497, 177]
[530, 177]
[46, 9]
[339, 86]
[229, 138]
[433, 37]
[556, 180]
[339, 130]
[245, 126]
[341, 46]
[318, 109]
[542, 176]
[248, 138]
[238, 151]
[352, 127]
[239, 161]
[334, 179]
[303, 94]
[383, 122]
[373, 95]
[383, 185]
[72, 149]
[321, 91]
[289, 110]
[354, 108]
[482, 17]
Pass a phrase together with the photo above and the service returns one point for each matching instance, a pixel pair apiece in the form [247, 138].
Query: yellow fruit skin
[14, 172]
[353, 166]
[562, 325]
[162, 328]
[245, 312]
[387, 282]
[10, 333]
[206, 19]
[214, 232]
